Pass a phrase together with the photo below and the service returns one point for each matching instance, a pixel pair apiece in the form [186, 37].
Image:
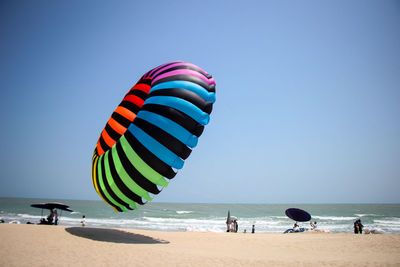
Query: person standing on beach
[56, 217]
[253, 229]
[356, 227]
[234, 226]
[360, 226]
[83, 221]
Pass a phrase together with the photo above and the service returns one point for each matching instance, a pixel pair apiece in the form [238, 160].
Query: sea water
[267, 218]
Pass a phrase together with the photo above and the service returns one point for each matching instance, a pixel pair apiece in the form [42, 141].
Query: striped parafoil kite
[151, 133]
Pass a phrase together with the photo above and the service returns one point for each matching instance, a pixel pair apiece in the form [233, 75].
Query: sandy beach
[41, 245]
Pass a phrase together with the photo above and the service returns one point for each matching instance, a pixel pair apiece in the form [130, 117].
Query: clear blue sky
[308, 95]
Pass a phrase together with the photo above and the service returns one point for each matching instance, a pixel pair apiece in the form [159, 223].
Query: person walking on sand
[83, 222]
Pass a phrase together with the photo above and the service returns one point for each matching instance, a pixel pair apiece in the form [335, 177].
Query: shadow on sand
[113, 235]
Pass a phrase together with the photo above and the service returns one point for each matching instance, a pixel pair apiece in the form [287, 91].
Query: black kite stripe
[187, 95]
[185, 77]
[148, 157]
[164, 138]
[160, 67]
[103, 144]
[177, 116]
[112, 133]
[145, 80]
[108, 188]
[130, 106]
[121, 119]
[135, 175]
[117, 179]
[136, 92]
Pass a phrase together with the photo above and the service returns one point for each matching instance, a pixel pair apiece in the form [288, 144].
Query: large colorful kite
[151, 133]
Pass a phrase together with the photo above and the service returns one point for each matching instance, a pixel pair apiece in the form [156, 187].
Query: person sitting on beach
[50, 218]
[296, 227]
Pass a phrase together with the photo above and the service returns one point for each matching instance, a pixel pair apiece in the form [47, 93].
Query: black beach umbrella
[298, 215]
[228, 219]
[52, 205]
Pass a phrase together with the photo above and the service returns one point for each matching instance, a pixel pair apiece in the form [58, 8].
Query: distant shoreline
[216, 203]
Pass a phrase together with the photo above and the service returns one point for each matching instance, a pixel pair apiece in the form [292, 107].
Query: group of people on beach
[233, 226]
[53, 216]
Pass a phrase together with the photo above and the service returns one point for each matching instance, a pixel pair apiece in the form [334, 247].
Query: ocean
[267, 218]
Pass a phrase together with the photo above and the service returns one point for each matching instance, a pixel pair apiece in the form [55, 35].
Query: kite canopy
[298, 215]
[151, 133]
[52, 205]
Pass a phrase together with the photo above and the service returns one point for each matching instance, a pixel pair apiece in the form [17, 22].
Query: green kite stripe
[142, 166]
[103, 189]
[97, 186]
[128, 181]
[113, 186]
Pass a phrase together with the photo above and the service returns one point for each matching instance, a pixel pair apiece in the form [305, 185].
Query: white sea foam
[184, 211]
[211, 217]
[367, 215]
[333, 218]
[395, 222]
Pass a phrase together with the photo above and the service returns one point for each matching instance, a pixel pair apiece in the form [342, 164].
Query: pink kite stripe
[177, 64]
[156, 69]
[183, 72]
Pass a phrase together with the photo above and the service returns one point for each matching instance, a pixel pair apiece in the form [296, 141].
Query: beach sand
[43, 245]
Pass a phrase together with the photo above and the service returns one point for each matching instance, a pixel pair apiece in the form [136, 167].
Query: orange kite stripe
[109, 141]
[126, 113]
[100, 150]
[116, 126]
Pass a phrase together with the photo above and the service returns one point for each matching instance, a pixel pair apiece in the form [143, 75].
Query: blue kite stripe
[181, 105]
[170, 127]
[195, 88]
[156, 148]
